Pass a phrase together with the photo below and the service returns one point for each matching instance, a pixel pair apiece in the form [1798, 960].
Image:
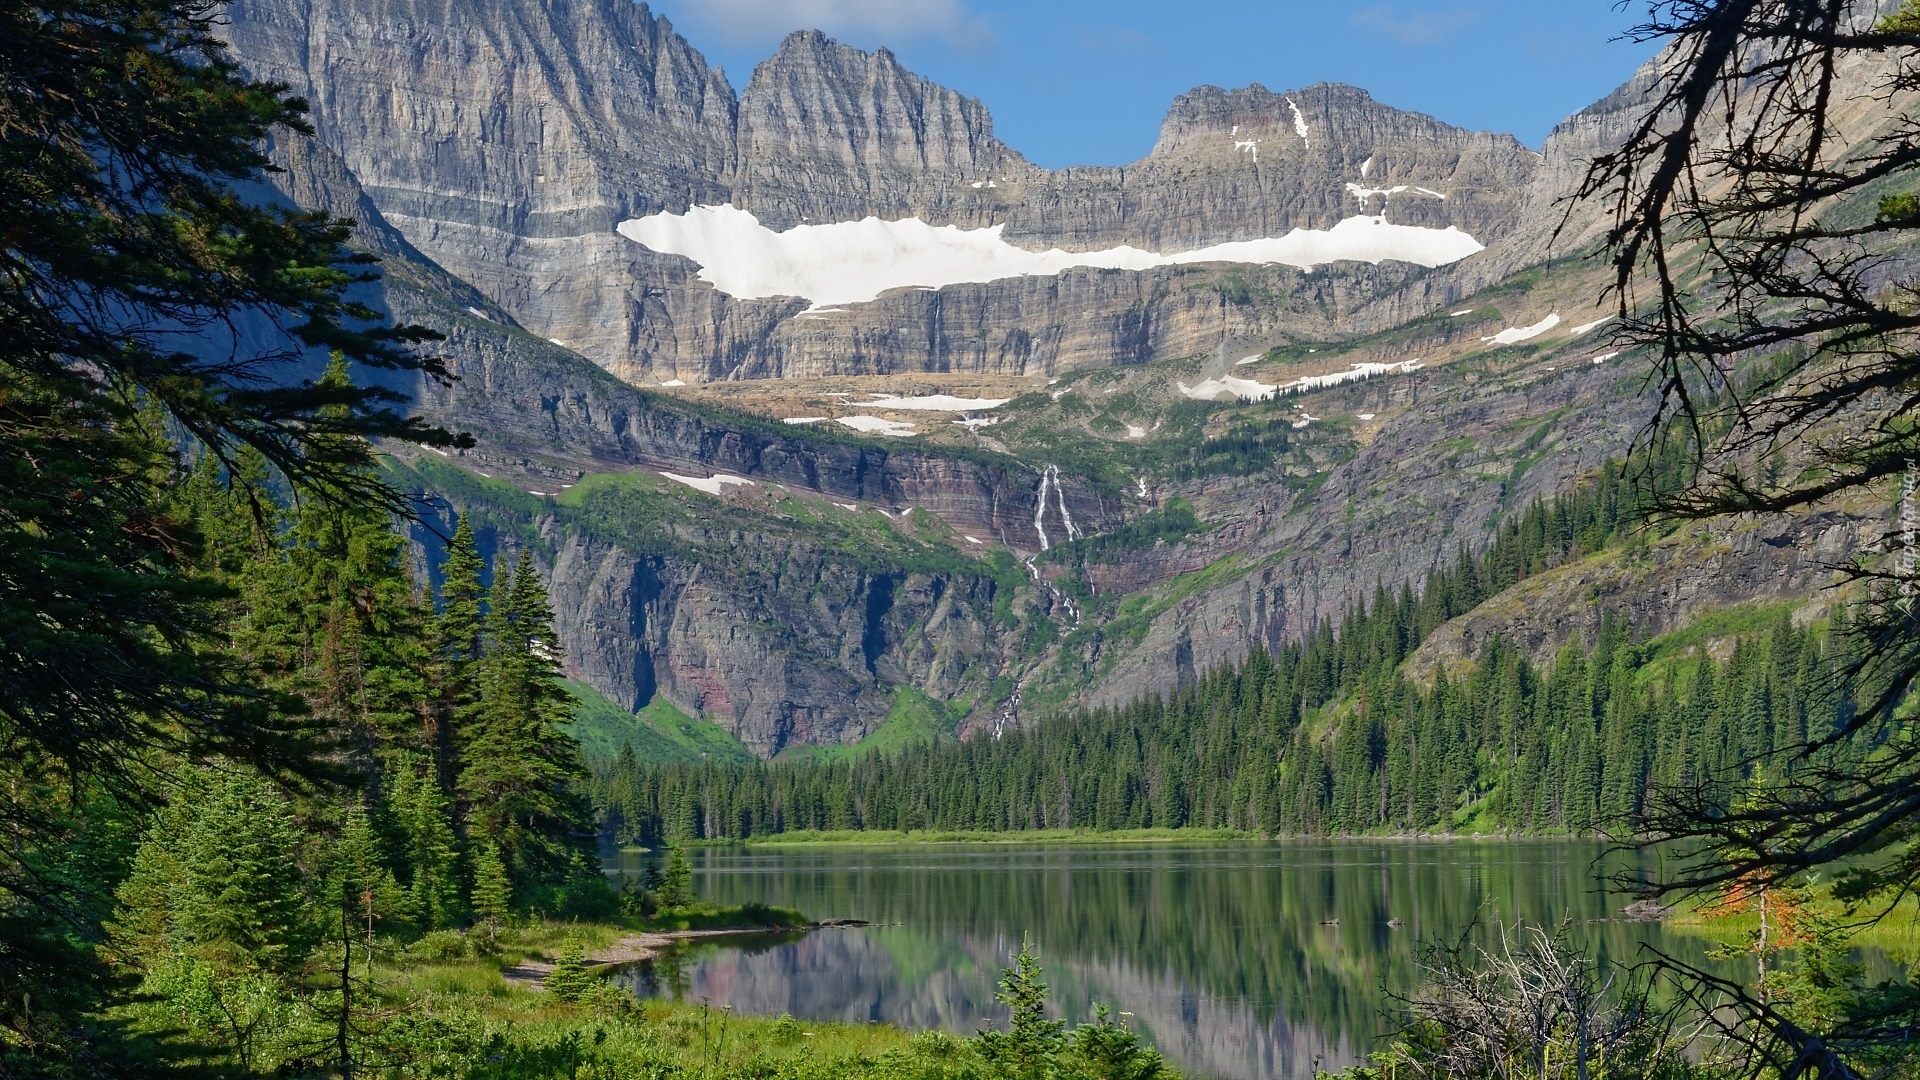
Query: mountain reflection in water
[1246, 960]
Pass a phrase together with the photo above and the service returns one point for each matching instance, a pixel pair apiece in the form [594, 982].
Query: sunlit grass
[951, 836]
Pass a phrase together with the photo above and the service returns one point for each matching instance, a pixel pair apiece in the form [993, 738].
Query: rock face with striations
[492, 149]
[831, 133]
[505, 141]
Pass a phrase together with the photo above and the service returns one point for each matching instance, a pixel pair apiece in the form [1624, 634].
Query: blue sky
[1086, 82]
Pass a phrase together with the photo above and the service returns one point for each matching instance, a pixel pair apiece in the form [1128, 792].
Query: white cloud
[893, 21]
[1416, 27]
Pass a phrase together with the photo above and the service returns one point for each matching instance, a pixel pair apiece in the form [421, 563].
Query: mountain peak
[831, 132]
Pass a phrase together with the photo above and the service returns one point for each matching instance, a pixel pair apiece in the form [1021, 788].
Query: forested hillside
[1509, 747]
[1329, 735]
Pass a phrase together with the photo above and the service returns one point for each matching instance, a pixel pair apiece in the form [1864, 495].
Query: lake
[1238, 960]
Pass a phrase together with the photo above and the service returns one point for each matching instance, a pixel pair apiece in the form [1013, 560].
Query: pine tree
[360, 893]
[569, 980]
[217, 870]
[492, 892]
[458, 645]
[517, 767]
[1031, 1044]
[432, 858]
[676, 886]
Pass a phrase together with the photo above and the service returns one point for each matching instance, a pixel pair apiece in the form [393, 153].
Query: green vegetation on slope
[914, 720]
[657, 732]
[1325, 736]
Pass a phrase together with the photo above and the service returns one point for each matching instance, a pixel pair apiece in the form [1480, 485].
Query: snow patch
[1245, 360]
[1604, 357]
[1358, 371]
[674, 382]
[1584, 327]
[978, 421]
[798, 420]
[932, 403]
[1428, 192]
[711, 485]
[1299, 123]
[1364, 415]
[1513, 335]
[850, 507]
[1365, 193]
[478, 314]
[1248, 146]
[1366, 167]
[855, 261]
[558, 342]
[876, 425]
[974, 540]
[1135, 431]
[1228, 386]
[1457, 314]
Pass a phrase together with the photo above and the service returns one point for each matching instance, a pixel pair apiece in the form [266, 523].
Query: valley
[524, 553]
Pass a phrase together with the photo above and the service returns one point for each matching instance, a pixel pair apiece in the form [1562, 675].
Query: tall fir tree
[430, 860]
[459, 629]
[492, 892]
[519, 771]
[330, 615]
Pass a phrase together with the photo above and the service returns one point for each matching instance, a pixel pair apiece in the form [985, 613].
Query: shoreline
[896, 838]
[645, 945]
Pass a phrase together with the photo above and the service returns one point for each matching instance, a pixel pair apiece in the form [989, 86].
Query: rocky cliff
[505, 142]
[820, 586]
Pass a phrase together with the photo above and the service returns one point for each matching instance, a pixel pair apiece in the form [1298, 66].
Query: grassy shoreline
[858, 837]
[895, 837]
[477, 1002]
[496, 1026]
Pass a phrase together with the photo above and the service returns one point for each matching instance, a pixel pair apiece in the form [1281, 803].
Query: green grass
[658, 732]
[1896, 933]
[855, 837]
[1739, 621]
[914, 720]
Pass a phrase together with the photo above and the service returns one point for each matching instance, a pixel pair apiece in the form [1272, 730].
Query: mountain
[914, 437]
[505, 143]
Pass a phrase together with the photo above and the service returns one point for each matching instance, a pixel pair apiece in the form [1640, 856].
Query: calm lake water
[1227, 955]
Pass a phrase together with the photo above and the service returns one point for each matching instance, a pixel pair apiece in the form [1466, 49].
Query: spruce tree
[237, 889]
[458, 645]
[492, 892]
[569, 980]
[1029, 1047]
[676, 885]
[518, 769]
[359, 894]
[432, 857]
[128, 129]
[362, 648]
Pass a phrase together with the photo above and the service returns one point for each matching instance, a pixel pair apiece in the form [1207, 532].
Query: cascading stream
[1050, 482]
